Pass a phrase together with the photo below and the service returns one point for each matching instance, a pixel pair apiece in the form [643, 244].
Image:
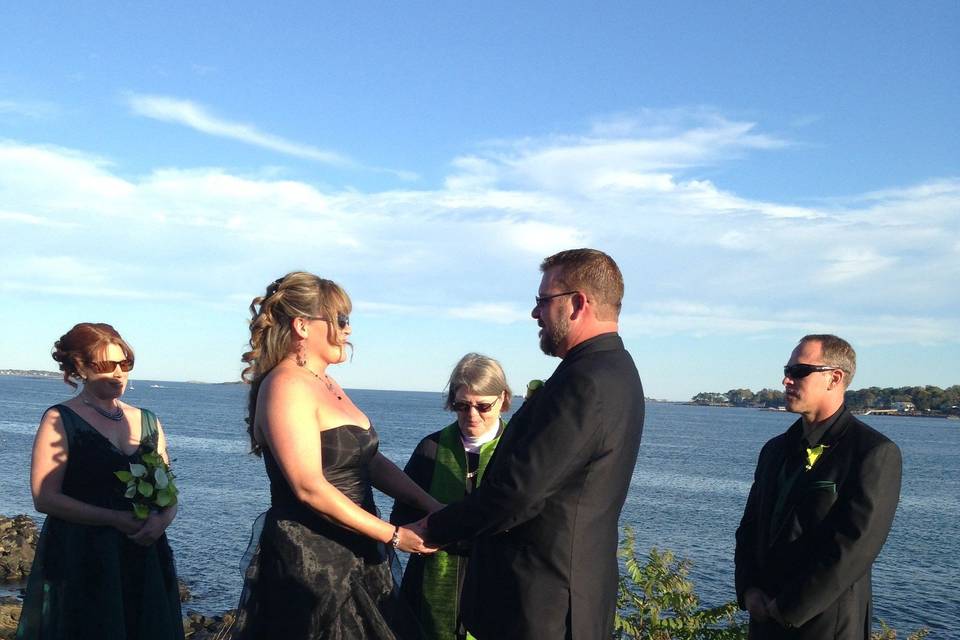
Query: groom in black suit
[545, 519]
[822, 502]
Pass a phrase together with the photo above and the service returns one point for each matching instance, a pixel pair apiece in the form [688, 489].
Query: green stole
[440, 570]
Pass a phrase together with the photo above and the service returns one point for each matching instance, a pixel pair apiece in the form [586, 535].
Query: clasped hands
[413, 538]
[141, 532]
[761, 606]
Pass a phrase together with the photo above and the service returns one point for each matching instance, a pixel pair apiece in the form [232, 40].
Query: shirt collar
[813, 438]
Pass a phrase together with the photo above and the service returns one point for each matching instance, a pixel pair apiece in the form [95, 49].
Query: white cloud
[490, 312]
[27, 218]
[197, 117]
[631, 187]
[33, 109]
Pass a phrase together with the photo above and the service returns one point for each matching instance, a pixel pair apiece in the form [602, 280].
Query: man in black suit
[823, 499]
[545, 519]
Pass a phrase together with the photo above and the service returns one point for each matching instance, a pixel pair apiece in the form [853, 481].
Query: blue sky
[759, 171]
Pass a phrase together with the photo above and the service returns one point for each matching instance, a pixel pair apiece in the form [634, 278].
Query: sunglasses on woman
[109, 366]
[481, 407]
[343, 320]
[798, 371]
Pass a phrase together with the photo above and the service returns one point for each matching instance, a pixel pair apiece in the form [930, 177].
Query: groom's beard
[551, 340]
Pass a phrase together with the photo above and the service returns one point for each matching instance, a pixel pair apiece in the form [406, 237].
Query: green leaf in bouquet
[138, 470]
[153, 459]
[145, 489]
[141, 511]
[164, 498]
[131, 491]
[160, 478]
[123, 476]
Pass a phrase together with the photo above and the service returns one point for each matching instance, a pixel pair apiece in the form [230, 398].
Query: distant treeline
[927, 399]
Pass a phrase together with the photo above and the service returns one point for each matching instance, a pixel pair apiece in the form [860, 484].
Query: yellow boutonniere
[813, 455]
[532, 388]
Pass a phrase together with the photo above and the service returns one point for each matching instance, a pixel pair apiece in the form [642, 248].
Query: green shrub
[886, 633]
[655, 601]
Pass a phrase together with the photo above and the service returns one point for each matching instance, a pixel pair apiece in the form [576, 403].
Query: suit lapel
[809, 478]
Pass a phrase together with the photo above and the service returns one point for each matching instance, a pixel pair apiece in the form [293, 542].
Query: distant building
[903, 406]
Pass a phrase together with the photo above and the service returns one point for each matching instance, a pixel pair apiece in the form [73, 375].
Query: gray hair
[481, 375]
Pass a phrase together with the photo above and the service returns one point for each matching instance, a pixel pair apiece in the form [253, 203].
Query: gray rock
[18, 543]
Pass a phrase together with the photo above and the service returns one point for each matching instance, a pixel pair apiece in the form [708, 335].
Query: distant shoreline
[37, 373]
[897, 414]
[30, 373]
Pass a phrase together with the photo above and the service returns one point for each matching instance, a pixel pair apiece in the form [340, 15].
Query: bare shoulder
[284, 385]
[286, 401]
[51, 429]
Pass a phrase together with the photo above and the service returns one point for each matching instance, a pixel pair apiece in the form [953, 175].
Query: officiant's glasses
[797, 371]
[481, 407]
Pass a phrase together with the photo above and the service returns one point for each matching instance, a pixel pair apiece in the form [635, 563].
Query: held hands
[153, 527]
[758, 604]
[413, 538]
[127, 523]
[413, 542]
[151, 530]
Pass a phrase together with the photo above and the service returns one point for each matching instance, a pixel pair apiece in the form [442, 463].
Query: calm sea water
[687, 494]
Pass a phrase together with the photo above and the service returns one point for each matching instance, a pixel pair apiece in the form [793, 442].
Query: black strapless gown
[311, 578]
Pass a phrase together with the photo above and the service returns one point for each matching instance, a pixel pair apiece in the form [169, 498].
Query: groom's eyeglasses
[541, 299]
[798, 371]
[481, 407]
[109, 366]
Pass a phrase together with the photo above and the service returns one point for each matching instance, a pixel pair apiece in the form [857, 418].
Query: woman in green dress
[99, 571]
[448, 464]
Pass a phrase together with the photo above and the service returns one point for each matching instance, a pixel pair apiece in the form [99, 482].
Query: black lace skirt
[329, 584]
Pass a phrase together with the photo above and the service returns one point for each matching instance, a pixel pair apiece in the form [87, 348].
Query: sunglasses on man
[798, 371]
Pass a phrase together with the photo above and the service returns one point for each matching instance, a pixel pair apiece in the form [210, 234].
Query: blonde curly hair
[296, 295]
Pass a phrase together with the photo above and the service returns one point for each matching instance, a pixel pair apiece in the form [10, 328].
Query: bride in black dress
[323, 565]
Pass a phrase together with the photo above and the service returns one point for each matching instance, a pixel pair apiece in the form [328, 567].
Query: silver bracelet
[395, 540]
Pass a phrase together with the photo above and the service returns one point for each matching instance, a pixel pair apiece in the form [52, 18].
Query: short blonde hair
[837, 352]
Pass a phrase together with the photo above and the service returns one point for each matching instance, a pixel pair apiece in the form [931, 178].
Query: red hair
[81, 344]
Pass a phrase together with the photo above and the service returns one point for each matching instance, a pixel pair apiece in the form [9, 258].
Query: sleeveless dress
[92, 582]
[312, 579]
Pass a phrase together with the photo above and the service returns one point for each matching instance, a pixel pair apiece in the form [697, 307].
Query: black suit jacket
[546, 516]
[815, 556]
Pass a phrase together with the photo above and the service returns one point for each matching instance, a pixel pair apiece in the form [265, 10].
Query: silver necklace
[116, 415]
[325, 379]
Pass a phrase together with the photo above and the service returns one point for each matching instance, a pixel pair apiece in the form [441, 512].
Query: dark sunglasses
[109, 366]
[481, 407]
[343, 320]
[541, 299]
[798, 371]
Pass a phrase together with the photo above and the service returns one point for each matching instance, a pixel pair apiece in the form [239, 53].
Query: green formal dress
[92, 582]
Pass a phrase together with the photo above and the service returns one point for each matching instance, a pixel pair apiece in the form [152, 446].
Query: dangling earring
[301, 355]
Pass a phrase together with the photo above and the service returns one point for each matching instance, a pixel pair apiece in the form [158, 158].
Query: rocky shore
[18, 543]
